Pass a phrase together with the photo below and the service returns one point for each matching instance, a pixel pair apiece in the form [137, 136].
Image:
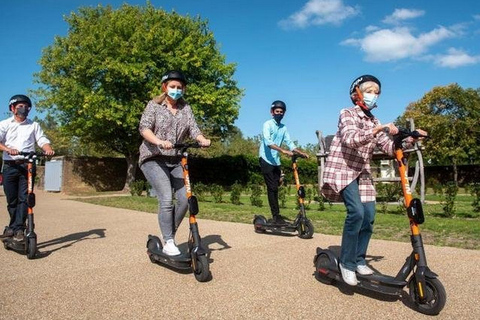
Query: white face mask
[370, 100]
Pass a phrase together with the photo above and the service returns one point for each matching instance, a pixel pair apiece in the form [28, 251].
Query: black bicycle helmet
[278, 104]
[365, 78]
[17, 99]
[174, 75]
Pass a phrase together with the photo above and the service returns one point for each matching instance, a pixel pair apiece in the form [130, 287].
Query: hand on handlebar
[13, 152]
[165, 144]
[416, 135]
[49, 153]
[300, 154]
[204, 143]
[390, 128]
[288, 153]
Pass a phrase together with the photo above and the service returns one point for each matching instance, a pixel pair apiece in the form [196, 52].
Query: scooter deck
[182, 261]
[288, 227]
[381, 283]
[13, 245]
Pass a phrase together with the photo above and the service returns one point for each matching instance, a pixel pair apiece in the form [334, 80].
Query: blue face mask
[175, 94]
[370, 100]
[278, 117]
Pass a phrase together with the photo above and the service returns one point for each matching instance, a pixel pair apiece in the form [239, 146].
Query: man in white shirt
[19, 134]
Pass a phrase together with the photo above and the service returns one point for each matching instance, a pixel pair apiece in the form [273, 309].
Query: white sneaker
[170, 248]
[348, 276]
[364, 270]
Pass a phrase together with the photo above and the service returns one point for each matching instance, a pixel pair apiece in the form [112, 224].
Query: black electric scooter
[301, 224]
[425, 289]
[29, 245]
[196, 257]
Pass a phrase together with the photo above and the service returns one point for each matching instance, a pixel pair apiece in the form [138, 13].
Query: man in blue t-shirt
[274, 134]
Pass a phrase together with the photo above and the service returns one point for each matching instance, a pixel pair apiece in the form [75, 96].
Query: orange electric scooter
[426, 292]
[29, 245]
[196, 257]
[301, 225]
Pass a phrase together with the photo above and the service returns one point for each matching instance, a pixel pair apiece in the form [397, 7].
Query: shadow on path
[69, 240]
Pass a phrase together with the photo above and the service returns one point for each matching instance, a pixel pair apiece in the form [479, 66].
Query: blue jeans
[163, 177]
[357, 229]
[15, 188]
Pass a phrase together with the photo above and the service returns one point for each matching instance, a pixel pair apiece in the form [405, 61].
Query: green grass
[462, 231]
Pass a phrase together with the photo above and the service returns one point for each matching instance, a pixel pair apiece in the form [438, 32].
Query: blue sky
[304, 52]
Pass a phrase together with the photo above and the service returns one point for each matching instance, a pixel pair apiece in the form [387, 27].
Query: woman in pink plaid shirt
[347, 174]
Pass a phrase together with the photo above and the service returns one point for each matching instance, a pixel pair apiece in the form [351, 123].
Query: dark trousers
[271, 174]
[15, 189]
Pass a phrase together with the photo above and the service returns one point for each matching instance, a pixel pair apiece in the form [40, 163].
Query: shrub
[217, 192]
[282, 196]
[137, 187]
[388, 192]
[200, 190]
[475, 191]
[236, 193]
[451, 190]
[255, 199]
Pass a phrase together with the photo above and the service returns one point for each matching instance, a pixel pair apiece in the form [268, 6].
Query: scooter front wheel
[435, 296]
[31, 247]
[305, 229]
[201, 268]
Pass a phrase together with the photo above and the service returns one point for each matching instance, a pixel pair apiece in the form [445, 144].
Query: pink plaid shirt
[350, 155]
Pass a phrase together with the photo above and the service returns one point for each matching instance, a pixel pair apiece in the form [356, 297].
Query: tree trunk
[132, 163]
[455, 172]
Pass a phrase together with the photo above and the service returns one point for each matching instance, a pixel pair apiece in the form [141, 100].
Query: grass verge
[462, 231]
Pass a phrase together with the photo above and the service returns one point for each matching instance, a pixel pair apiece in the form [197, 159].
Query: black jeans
[271, 174]
[15, 188]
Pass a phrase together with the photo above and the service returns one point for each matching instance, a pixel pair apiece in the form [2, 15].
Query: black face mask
[22, 111]
[278, 117]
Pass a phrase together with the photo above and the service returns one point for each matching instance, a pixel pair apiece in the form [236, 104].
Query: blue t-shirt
[274, 133]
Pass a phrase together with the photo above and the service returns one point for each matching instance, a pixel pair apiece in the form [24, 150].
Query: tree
[451, 115]
[98, 79]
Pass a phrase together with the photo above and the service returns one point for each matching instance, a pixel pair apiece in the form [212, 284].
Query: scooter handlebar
[404, 133]
[31, 154]
[186, 145]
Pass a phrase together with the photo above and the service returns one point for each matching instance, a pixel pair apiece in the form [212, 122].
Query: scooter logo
[407, 185]
[187, 185]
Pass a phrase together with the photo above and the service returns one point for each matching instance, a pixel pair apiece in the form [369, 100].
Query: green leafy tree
[98, 78]
[451, 115]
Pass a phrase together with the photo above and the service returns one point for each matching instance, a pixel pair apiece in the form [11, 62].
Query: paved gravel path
[93, 265]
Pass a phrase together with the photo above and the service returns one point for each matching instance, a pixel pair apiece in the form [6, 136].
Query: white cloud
[455, 58]
[400, 15]
[319, 12]
[397, 43]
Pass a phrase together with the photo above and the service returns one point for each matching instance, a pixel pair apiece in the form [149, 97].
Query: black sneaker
[7, 233]
[279, 220]
[19, 237]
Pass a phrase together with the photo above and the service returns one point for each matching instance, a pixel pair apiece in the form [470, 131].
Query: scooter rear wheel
[258, 224]
[435, 296]
[153, 245]
[201, 268]
[305, 229]
[322, 267]
[31, 247]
